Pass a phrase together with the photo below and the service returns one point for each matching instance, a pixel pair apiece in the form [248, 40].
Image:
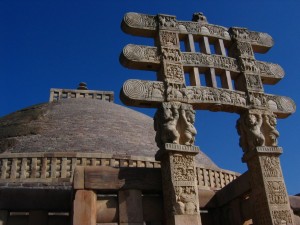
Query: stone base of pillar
[187, 219]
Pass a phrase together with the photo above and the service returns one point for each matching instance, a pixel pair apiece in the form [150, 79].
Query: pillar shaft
[85, 208]
[130, 207]
[258, 138]
[180, 190]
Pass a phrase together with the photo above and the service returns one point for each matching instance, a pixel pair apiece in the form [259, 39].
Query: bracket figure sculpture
[234, 62]
[174, 123]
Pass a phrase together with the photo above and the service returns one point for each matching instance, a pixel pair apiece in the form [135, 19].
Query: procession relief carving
[271, 166]
[217, 61]
[167, 22]
[253, 82]
[188, 27]
[249, 65]
[174, 123]
[257, 128]
[239, 33]
[241, 49]
[169, 39]
[171, 54]
[282, 217]
[173, 73]
[276, 192]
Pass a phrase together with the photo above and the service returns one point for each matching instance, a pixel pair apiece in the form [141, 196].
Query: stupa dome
[81, 125]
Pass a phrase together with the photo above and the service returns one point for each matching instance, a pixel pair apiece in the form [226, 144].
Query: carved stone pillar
[258, 138]
[85, 208]
[180, 188]
[175, 137]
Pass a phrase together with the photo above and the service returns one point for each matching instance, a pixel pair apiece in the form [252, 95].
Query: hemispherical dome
[81, 125]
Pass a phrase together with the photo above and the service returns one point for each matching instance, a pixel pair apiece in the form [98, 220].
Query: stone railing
[212, 178]
[59, 167]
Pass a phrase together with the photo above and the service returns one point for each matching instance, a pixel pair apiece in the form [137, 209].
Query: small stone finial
[82, 86]
[199, 17]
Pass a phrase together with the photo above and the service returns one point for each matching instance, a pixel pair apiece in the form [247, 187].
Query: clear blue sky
[58, 43]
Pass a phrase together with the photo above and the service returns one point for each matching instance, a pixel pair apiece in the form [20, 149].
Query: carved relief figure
[174, 123]
[271, 166]
[249, 129]
[189, 131]
[169, 130]
[270, 130]
[185, 200]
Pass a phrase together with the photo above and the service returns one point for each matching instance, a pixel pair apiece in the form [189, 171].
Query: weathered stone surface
[130, 207]
[85, 208]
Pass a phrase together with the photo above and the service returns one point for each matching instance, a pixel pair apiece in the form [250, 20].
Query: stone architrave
[176, 101]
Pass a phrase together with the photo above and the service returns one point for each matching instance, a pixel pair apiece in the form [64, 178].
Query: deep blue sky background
[58, 43]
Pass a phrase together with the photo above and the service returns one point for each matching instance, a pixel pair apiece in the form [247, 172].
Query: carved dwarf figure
[189, 131]
[165, 123]
[249, 129]
[257, 128]
[270, 130]
[174, 123]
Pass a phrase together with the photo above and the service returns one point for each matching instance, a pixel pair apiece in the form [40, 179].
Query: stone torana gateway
[240, 91]
[81, 159]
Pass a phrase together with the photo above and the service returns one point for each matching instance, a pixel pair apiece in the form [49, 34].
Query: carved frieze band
[148, 58]
[146, 25]
[151, 93]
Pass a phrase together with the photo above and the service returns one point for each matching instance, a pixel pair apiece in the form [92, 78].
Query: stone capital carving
[257, 128]
[174, 123]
